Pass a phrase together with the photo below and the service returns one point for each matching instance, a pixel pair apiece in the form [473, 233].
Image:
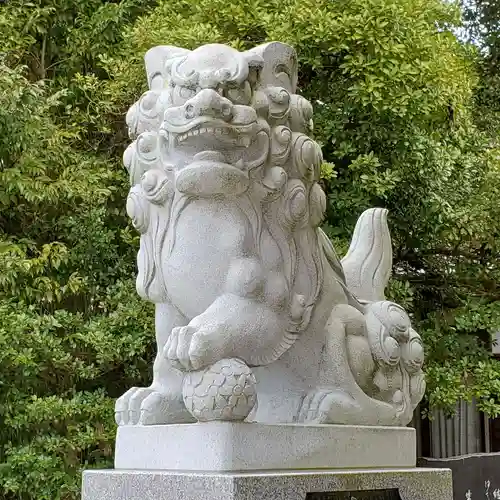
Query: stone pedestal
[238, 461]
[405, 484]
[226, 446]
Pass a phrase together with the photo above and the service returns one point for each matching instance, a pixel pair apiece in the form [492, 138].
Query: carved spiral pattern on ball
[224, 391]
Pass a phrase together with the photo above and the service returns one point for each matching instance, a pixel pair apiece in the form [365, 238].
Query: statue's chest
[206, 236]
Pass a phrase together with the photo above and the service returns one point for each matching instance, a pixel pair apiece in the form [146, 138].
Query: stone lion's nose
[208, 102]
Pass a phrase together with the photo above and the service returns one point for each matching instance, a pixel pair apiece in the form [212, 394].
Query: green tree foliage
[482, 25]
[482, 29]
[73, 334]
[393, 92]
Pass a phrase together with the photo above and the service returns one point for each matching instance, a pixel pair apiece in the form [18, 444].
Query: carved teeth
[245, 141]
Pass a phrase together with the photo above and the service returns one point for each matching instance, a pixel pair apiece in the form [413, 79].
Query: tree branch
[43, 71]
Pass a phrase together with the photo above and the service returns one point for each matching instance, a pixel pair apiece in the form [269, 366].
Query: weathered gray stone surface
[224, 446]
[256, 316]
[413, 484]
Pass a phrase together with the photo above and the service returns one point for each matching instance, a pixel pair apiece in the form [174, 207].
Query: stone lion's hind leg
[161, 402]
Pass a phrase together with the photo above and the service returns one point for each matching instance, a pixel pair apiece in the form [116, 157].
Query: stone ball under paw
[224, 391]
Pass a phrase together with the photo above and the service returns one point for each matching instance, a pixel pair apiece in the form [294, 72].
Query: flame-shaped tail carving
[367, 264]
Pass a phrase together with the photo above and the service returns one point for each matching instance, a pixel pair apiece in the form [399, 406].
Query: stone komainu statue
[256, 317]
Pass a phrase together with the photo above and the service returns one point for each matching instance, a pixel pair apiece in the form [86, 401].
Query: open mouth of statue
[213, 134]
[220, 134]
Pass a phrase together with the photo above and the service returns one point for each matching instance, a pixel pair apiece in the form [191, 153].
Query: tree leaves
[403, 125]
[74, 334]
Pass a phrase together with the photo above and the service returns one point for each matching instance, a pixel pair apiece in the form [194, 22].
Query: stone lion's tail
[367, 265]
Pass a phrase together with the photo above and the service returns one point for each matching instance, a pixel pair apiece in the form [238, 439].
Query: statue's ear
[156, 63]
[279, 65]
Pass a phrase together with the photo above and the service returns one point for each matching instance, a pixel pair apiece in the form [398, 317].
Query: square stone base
[405, 484]
[226, 446]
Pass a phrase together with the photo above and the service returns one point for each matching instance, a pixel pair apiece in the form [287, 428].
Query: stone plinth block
[407, 484]
[225, 446]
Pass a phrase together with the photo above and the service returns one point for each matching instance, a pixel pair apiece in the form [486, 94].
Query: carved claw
[148, 406]
[163, 408]
[189, 348]
[135, 403]
[122, 405]
[128, 406]
[328, 406]
[311, 404]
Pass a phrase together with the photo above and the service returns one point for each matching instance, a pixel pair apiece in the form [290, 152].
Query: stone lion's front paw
[149, 406]
[190, 348]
